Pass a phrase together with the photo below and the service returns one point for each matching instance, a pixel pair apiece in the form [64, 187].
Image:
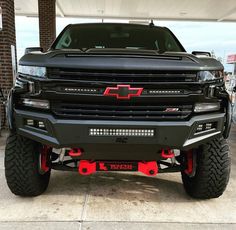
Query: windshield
[121, 36]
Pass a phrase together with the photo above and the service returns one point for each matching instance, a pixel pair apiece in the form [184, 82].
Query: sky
[219, 37]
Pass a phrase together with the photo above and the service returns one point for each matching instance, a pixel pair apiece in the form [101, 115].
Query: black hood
[120, 59]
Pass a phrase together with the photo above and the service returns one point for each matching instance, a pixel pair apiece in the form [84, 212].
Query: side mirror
[201, 53]
[33, 49]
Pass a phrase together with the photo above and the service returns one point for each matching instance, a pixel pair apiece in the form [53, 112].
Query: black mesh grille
[121, 76]
[96, 108]
[121, 112]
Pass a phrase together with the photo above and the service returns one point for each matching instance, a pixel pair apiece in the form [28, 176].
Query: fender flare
[10, 110]
[228, 120]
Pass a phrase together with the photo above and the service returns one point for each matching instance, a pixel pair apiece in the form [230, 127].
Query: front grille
[125, 76]
[121, 112]
[89, 86]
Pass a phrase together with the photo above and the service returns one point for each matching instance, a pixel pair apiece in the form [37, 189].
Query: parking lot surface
[117, 201]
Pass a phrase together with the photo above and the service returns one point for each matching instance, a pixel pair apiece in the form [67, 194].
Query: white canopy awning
[193, 10]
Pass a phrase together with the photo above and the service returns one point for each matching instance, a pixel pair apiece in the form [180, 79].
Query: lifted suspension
[88, 167]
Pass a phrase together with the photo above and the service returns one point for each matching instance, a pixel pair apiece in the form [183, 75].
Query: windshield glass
[122, 36]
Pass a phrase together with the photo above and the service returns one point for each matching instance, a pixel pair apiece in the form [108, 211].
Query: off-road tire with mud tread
[212, 170]
[22, 167]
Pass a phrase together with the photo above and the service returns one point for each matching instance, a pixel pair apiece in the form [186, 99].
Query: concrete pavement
[117, 201]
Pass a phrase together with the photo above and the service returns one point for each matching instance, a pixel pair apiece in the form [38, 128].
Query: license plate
[116, 166]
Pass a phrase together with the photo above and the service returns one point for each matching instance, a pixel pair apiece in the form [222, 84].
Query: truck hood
[120, 59]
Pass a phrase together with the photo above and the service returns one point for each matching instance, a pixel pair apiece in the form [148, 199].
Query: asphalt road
[117, 201]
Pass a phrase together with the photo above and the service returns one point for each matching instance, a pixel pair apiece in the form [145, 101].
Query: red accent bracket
[44, 158]
[149, 168]
[116, 91]
[189, 169]
[75, 152]
[169, 154]
[86, 167]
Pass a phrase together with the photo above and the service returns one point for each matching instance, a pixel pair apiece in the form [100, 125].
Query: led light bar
[122, 132]
[80, 90]
[164, 91]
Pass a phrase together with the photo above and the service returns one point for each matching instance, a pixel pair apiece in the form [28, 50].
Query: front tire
[211, 174]
[22, 167]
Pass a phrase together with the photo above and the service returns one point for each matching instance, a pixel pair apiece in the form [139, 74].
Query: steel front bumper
[61, 133]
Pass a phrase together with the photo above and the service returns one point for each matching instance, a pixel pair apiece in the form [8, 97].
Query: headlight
[206, 107]
[36, 103]
[209, 75]
[35, 71]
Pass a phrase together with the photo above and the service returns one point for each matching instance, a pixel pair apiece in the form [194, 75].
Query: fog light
[200, 128]
[30, 122]
[209, 126]
[42, 104]
[206, 127]
[206, 107]
[35, 123]
[41, 124]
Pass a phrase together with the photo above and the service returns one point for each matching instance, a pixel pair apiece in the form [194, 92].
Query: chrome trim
[197, 139]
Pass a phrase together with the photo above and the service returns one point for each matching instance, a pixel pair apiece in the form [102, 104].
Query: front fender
[10, 110]
[228, 120]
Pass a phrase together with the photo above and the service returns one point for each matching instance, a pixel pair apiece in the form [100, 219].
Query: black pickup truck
[118, 97]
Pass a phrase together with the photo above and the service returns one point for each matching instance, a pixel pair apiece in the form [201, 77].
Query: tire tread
[212, 171]
[21, 167]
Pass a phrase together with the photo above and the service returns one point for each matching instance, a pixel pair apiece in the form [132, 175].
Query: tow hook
[168, 154]
[149, 168]
[75, 152]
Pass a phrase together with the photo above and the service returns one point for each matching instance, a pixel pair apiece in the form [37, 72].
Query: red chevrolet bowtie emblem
[123, 92]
